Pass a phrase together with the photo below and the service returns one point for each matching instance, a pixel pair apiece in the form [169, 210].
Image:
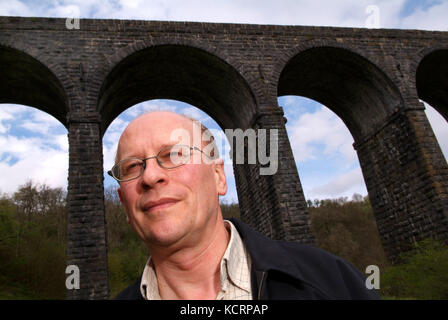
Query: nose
[153, 173]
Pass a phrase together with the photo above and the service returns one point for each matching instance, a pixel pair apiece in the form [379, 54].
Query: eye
[174, 156]
[178, 153]
[164, 155]
[131, 166]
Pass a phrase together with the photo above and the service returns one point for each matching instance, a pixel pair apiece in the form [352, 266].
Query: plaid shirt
[234, 272]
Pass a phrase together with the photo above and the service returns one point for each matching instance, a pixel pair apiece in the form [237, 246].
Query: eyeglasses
[169, 158]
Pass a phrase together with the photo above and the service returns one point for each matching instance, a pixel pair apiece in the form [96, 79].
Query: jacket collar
[266, 254]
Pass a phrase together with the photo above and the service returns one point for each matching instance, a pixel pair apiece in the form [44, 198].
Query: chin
[164, 233]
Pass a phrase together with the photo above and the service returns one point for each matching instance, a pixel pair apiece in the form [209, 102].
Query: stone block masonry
[371, 78]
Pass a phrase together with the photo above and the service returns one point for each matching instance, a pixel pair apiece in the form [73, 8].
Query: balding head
[183, 121]
[189, 193]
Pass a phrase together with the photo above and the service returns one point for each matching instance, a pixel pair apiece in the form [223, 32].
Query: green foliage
[32, 246]
[127, 253]
[422, 275]
[32, 250]
[125, 266]
[230, 210]
[348, 229]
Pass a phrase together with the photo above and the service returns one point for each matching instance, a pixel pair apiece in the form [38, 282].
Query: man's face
[168, 207]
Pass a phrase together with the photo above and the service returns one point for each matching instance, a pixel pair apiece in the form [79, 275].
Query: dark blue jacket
[290, 271]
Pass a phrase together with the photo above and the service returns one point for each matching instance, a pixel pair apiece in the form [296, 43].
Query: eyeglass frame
[110, 172]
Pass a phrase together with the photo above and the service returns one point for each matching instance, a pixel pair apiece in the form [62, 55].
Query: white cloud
[439, 126]
[289, 101]
[14, 8]
[114, 131]
[17, 146]
[351, 13]
[62, 142]
[321, 143]
[147, 106]
[342, 185]
[322, 135]
[195, 113]
[35, 161]
[4, 128]
[109, 156]
[7, 113]
[52, 168]
[312, 135]
[389, 13]
[131, 3]
[110, 142]
[40, 122]
[40, 116]
[4, 116]
[432, 18]
[7, 108]
[42, 158]
[342, 13]
[35, 127]
[320, 128]
[69, 11]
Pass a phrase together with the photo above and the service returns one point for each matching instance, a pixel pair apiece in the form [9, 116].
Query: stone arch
[431, 78]
[345, 81]
[181, 72]
[370, 104]
[27, 81]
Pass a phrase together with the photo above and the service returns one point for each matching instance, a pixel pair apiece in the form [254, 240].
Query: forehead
[153, 130]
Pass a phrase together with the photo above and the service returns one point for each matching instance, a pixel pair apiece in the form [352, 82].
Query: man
[172, 201]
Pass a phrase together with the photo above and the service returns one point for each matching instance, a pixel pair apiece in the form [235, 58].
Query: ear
[123, 204]
[220, 176]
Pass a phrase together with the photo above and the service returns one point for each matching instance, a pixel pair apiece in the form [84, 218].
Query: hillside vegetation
[33, 232]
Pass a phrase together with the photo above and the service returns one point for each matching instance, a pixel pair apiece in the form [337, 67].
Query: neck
[193, 272]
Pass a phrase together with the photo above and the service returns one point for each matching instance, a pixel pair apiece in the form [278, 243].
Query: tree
[357, 197]
[44, 205]
[26, 200]
[117, 227]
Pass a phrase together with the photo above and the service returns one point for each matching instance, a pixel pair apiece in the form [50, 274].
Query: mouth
[152, 206]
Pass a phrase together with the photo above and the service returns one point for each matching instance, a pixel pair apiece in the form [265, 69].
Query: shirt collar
[266, 254]
[234, 259]
[148, 286]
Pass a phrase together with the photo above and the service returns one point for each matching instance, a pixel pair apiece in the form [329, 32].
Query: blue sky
[33, 145]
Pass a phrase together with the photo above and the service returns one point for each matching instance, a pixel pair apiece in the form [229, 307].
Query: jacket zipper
[260, 285]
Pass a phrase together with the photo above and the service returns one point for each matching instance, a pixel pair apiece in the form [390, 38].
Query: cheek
[200, 182]
[128, 198]
[195, 178]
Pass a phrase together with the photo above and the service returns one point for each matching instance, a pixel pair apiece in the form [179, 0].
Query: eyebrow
[167, 145]
[162, 146]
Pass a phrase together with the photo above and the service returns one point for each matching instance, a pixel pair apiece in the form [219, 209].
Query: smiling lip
[159, 204]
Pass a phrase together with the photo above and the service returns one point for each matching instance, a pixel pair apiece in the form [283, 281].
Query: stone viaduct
[373, 79]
